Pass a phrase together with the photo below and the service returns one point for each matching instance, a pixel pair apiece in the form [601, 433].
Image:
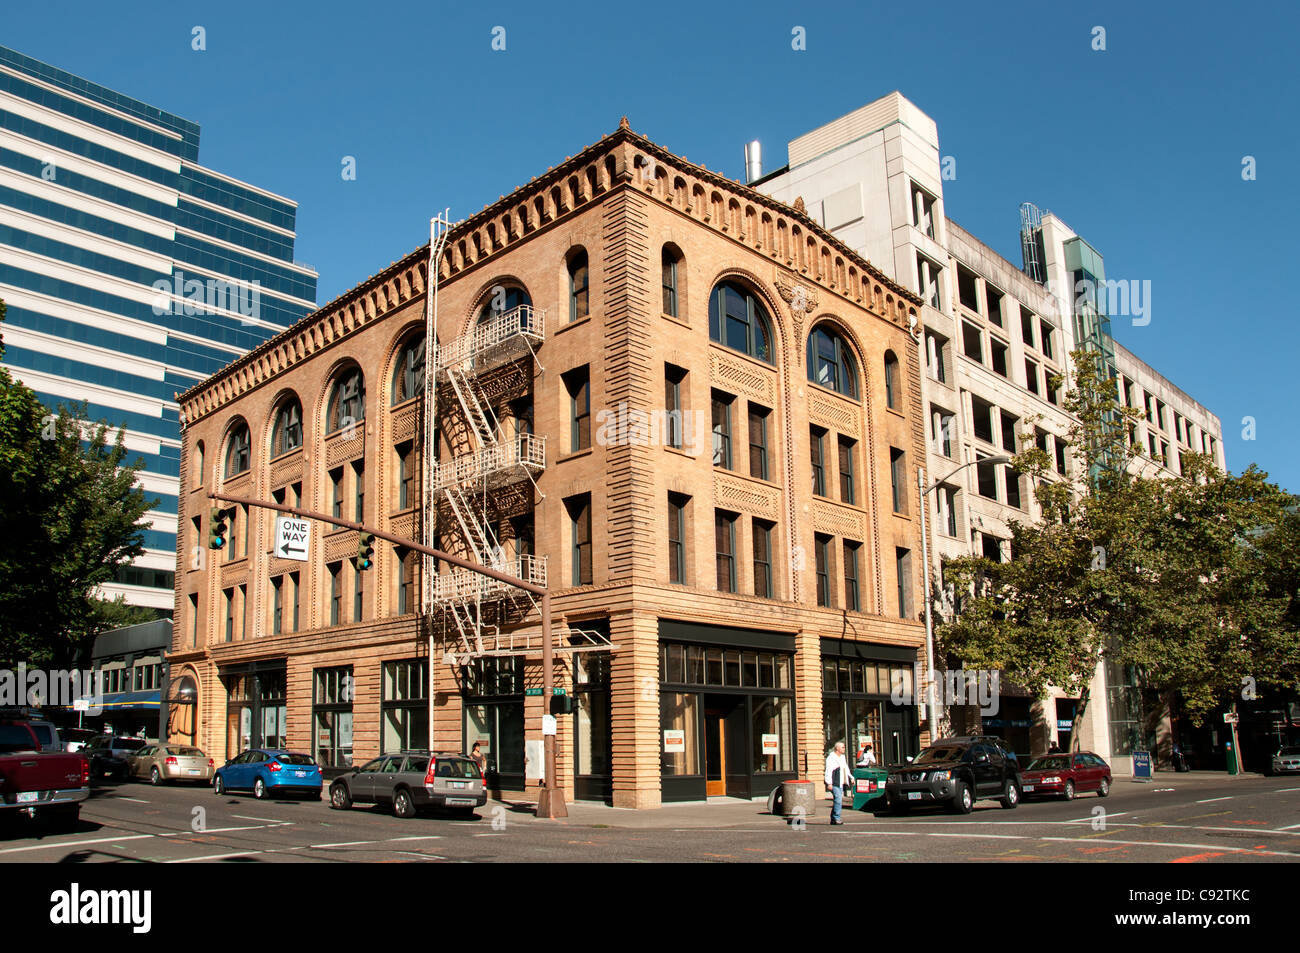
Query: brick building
[680, 404]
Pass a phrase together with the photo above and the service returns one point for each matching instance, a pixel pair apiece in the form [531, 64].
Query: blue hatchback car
[269, 772]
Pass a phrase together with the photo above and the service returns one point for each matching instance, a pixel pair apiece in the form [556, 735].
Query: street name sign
[292, 538]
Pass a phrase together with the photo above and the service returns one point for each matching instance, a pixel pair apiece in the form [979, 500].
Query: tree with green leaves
[1157, 574]
[70, 516]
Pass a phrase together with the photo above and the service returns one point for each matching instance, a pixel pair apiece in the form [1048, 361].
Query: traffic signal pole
[550, 800]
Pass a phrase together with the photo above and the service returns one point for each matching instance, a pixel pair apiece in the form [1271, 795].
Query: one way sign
[292, 537]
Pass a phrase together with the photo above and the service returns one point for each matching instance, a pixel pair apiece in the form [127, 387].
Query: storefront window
[332, 716]
[679, 744]
[405, 706]
[494, 717]
[592, 729]
[773, 734]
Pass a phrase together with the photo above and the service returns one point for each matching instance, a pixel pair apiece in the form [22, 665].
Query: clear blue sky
[1138, 148]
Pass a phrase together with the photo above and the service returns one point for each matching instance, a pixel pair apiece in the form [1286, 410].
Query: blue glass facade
[131, 272]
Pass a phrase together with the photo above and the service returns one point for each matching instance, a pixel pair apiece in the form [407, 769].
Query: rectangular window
[898, 478]
[972, 342]
[903, 567]
[998, 353]
[277, 605]
[936, 356]
[336, 492]
[852, 595]
[763, 558]
[848, 450]
[724, 532]
[405, 476]
[677, 538]
[1060, 456]
[966, 290]
[359, 490]
[579, 508]
[987, 476]
[946, 501]
[923, 211]
[674, 378]
[332, 695]
[229, 598]
[578, 384]
[336, 592]
[981, 419]
[1013, 488]
[1031, 377]
[927, 281]
[721, 410]
[358, 590]
[406, 583]
[941, 430]
[242, 611]
[194, 619]
[817, 442]
[293, 599]
[822, 558]
[1046, 330]
[1027, 327]
[758, 417]
[231, 549]
[670, 283]
[1009, 432]
[405, 705]
[993, 298]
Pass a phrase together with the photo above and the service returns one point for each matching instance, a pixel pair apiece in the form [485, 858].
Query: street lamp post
[924, 491]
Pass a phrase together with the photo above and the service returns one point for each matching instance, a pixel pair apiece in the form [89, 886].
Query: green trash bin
[869, 788]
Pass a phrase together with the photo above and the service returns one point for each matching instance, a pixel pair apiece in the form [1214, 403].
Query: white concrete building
[993, 337]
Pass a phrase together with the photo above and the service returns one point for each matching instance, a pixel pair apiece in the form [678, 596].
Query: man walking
[837, 779]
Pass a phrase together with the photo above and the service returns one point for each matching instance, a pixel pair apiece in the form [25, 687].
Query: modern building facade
[995, 336]
[131, 272]
[680, 404]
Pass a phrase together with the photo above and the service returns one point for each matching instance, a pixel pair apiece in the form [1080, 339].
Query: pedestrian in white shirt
[838, 777]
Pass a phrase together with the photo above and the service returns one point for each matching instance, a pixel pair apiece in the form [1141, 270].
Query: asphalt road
[1171, 819]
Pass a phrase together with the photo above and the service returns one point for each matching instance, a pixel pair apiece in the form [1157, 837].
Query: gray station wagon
[407, 781]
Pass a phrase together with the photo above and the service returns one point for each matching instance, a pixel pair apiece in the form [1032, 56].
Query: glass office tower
[131, 272]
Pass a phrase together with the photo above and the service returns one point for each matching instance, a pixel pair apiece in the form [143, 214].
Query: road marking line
[119, 797]
[77, 843]
[1283, 791]
[270, 821]
[1279, 830]
[1154, 843]
[190, 860]
[1226, 797]
[417, 837]
[982, 836]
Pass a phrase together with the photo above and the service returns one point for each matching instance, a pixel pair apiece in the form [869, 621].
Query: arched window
[237, 455]
[286, 435]
[892, 393]
[738, 320]
[408, 376]
[198, 469]
[672, 259]
[503, 300]
[579, 286]
[830, 362]
[347, 404]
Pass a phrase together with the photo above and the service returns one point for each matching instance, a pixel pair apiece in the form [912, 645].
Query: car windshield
[15, 738]
[945, 753]
[1048, 764]
[186, 752]
[301, 760]
[128, 744]
[455, 768]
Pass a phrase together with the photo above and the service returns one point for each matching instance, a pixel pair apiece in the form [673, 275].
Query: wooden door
[715, 752]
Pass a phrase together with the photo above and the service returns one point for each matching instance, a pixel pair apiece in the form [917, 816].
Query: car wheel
[403, 805]
[64, 818]
[962, 800]
[1010, 795]
[1104, 788]
[259, 789]
[340, 799]
[1069, 790]
[155, 778]
[219, 785]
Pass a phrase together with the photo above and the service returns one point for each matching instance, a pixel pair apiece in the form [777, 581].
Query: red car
[1065, 775]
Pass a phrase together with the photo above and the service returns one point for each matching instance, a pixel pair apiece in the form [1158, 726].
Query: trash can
[869, 788]
[798, 798]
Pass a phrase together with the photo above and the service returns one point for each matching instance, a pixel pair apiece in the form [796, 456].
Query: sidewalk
[736, 812]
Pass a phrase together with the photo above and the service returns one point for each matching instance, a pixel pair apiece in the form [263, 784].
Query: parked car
[107, 755]
[955, 772]
[1065, 775]
[410, 780]
[161, 763]
[47, 784]
[74, 739]
[269, 770]
[1287, 760]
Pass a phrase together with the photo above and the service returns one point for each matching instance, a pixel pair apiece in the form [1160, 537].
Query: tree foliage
[70, 515]
[1192, 579]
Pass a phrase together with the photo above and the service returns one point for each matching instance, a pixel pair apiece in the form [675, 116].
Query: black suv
[957, 772]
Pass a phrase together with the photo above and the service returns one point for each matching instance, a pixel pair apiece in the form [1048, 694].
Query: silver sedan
[163, 763]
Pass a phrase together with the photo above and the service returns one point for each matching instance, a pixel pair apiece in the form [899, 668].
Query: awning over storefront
[131, 701]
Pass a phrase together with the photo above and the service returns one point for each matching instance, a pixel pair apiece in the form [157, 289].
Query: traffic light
[217, 528]
[365, 550]
[562, 705]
